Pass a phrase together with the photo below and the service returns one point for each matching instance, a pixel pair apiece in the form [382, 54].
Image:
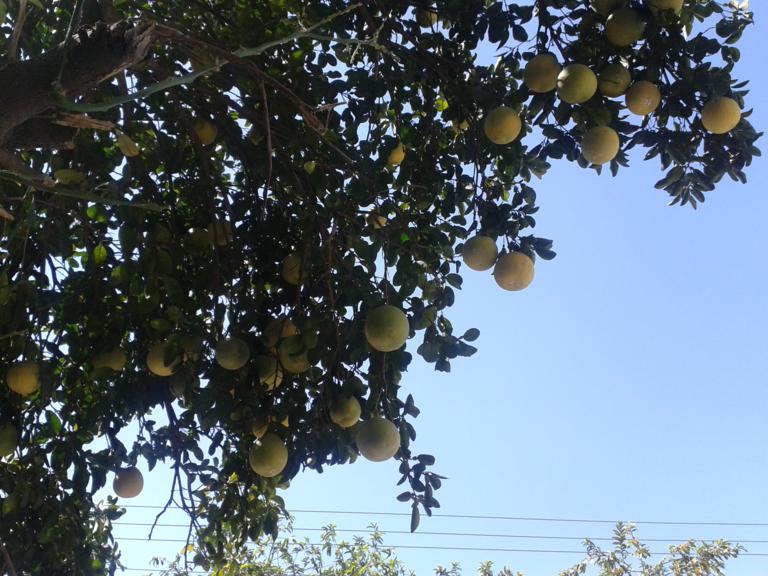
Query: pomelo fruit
[278, 329]
[269, 371]
[480, 253]
[206, 131]
[114, 359]
[721, 115]
[293, 355]
[128, 482]
[614, 80]
[576, 84]
[426, 17]
[156, 360]
[642, 98]
[23, 378]
[605, 7]
[661, 5]
[502, 125]
[269, 456]
[378, 439]
[386, 328]
[600, 144]
[345, 411]
[260, 425]
[541, 72]
[232, 353]
[514, 271]
[624, 27]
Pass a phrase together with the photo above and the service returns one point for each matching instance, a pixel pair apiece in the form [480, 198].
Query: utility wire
[515, 518]
[471, 534]
[467, 548]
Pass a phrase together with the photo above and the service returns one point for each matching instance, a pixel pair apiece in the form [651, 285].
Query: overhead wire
[469, 534]
[509, 518]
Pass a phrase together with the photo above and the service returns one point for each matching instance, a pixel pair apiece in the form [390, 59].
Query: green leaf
[471, 335]
[415, 517]
[100, 254]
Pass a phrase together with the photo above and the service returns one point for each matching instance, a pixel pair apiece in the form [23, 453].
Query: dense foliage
[178, 174]
[333, 557]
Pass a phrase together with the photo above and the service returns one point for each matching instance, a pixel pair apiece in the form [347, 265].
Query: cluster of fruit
[577, 83]
[386, 330]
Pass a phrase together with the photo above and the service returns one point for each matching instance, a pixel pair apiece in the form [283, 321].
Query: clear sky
[629, 382]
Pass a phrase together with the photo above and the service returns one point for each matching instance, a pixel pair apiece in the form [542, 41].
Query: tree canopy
[333, 557]
[227, 226]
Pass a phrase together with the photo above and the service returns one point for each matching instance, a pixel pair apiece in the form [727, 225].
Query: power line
[511, 518]
[462, 548]
[471, 534]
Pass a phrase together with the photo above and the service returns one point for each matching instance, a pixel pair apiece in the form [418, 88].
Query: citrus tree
[227, 226]
[333, 557]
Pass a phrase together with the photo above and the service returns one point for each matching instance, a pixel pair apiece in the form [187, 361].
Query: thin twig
[74, 22]
[9, 567]
[268, 129]
[14, 44]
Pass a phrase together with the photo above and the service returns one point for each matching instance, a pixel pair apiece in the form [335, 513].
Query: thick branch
[27, 88]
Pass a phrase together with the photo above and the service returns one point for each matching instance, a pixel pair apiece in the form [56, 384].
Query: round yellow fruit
[128, 147]
[206, 131]
[23, 378]
[290, 269]
[502, 125]
[600, 145]
[480, 253]
[541, 72]
[9, 439]
[514, 271]
[345, 411]
[128, 483]
[377, 439]
[643, 97]
[278, 329]
[624, 27]
[293, 355]
[156, 360]
[605, 7]
[661, 5]
[269, 456]
[269, 372]
[114, 360]
[259, 425]
[386, 328]
[396, 155]
[426, 17]
[232, 353]
[721, 115]
[576, 84]
[614, 80]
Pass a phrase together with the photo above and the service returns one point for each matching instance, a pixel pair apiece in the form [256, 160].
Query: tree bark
[93, 55]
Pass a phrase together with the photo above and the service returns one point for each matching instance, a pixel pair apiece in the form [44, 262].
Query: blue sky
[627, 383]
